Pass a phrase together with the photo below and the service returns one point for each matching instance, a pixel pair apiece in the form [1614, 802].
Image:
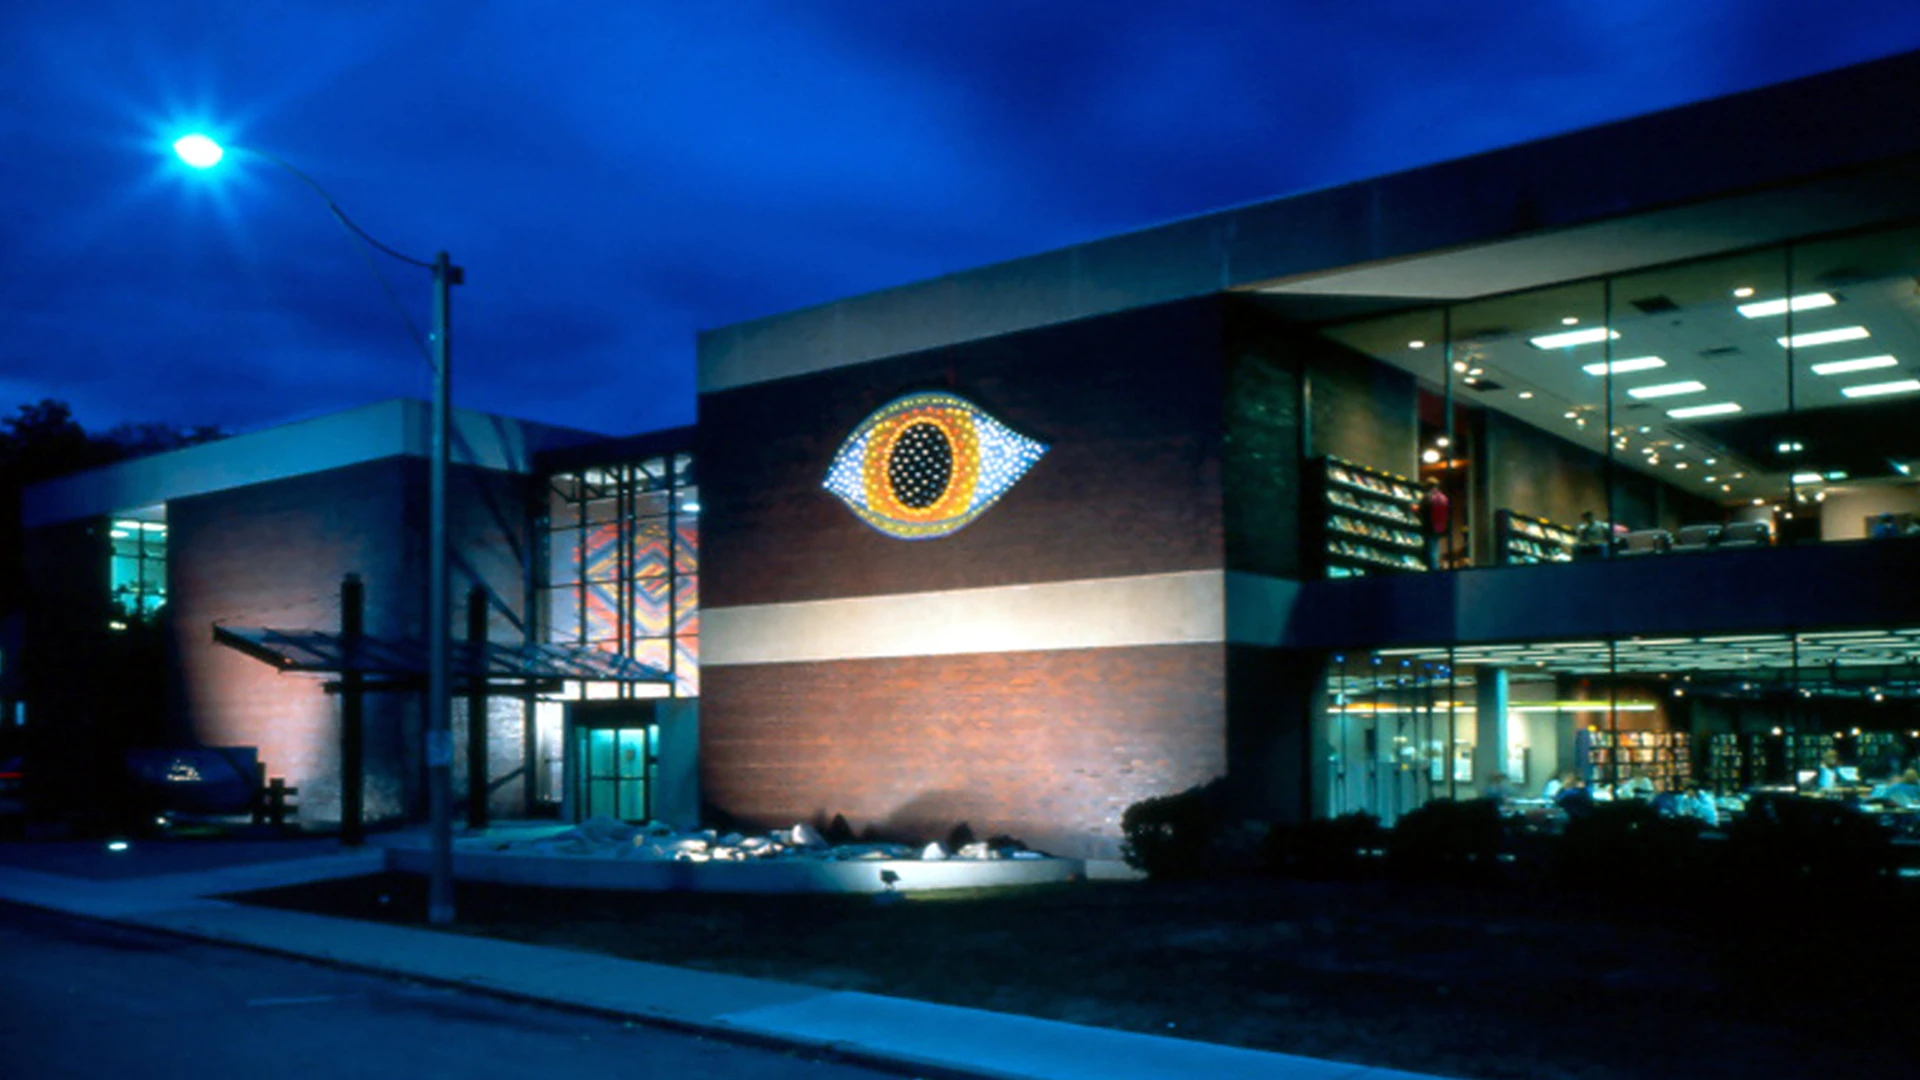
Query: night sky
[616, 176]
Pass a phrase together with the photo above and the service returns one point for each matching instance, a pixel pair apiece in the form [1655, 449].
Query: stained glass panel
[563, 556]
[686, 600]
[686, 670]
[650, 607]
[563, 614]
[650, 547]
[603, 610]
[602, 559]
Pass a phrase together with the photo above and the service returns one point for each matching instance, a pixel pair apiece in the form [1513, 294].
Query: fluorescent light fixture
[1621, 367]
[1864, 363]
[1570, 338]
[1837, 474]
[1824, 337]
[1899, 386]
[1670, 389]
[1743, 292]
[1526, 395]
[1416, 344]
[1718, 408]
[1803, 302]
[1805, 478]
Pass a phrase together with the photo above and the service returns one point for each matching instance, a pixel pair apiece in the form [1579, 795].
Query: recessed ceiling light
[1571, 338]
[1713, 461]
[1900, 386]
[1416, 344]
[1743, 292]
[1476, 372]
[1713, 479]
[1824, 337]
[1759, 502]
[1837, 474]
[1726, 487]
[1803, 302]
[1569, 320]
[1718, 408]
[1679, 464]
[1667, 389]
[1621, 367]
[1864, 363]
[1459, 365]
[1805, 478]
[1570, 414]
[1526, 395]
[1430, 456]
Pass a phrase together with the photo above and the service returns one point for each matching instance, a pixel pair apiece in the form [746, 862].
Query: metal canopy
[320, 652]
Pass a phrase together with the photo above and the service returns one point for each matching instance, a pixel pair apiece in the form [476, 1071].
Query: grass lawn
[1498, 981]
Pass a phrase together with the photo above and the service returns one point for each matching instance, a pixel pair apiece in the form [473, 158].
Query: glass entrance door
[619, 768]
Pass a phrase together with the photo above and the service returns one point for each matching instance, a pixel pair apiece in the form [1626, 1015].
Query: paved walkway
[175, 894]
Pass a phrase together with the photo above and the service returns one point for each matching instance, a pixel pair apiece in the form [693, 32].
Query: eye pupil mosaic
[920, 467]
[927, 464]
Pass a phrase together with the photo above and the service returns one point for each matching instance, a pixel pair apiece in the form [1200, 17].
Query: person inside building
[1695, 803]
[1496, 788]
[1638, 786]
[1590, 538]
[1575, 800]
[1434, 512]
[1828, 777]
[1883, 527]
[1902, 791]
[1556, 784]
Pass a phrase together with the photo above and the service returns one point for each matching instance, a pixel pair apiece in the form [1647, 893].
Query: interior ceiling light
[1805, 478]
[1899, 386]
[1804, 302]
[1570, 338]
[1743, 292]
[1718, 408]
[1679, 464]
[1824, 337]
[1837, 474]
[1670, 389]
[1621, 367]
[1526, 395]
[1864, 363]
[1569, 320]
[1416, 344]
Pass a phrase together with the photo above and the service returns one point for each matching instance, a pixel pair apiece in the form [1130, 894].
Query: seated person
[1883, 527]
[1903, 790]
[1640, 786]
[1574, 799]
[1828, 776]
[1496, 788]
[1556, 784]
[1695, 803]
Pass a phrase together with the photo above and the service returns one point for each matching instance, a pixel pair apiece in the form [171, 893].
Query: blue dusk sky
[617, 176]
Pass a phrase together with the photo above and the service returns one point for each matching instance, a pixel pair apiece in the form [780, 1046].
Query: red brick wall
[1050, 747]
[273, 555]
[1130, 404]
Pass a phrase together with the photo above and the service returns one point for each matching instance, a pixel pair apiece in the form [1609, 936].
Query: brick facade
[1050, 747]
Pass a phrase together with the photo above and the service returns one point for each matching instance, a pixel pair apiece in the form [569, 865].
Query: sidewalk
[176, 897]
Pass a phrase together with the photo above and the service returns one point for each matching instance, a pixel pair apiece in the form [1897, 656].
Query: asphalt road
[83, 999]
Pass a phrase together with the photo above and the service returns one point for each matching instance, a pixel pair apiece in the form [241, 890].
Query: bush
[1628, 845]
[1326, 848]
[1786, 840]
[1448, 840]
[1172, 836]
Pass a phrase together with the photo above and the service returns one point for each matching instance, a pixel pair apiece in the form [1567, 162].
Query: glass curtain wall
[1829, 714]
[1770, 396]
[622, 568]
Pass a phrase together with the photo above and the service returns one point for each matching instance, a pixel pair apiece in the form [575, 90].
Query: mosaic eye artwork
[925, 465]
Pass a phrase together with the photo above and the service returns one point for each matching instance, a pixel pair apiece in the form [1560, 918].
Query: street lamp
[202, 152]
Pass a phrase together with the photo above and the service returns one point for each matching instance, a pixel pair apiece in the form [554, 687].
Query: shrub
[1628, 845]
[1793, 840]
[1448, 840]
[1326, 848]
[1171, 836]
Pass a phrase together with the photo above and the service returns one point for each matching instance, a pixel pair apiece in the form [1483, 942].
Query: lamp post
[201, 152]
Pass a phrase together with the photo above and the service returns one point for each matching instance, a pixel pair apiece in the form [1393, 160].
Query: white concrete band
[1102, 613]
